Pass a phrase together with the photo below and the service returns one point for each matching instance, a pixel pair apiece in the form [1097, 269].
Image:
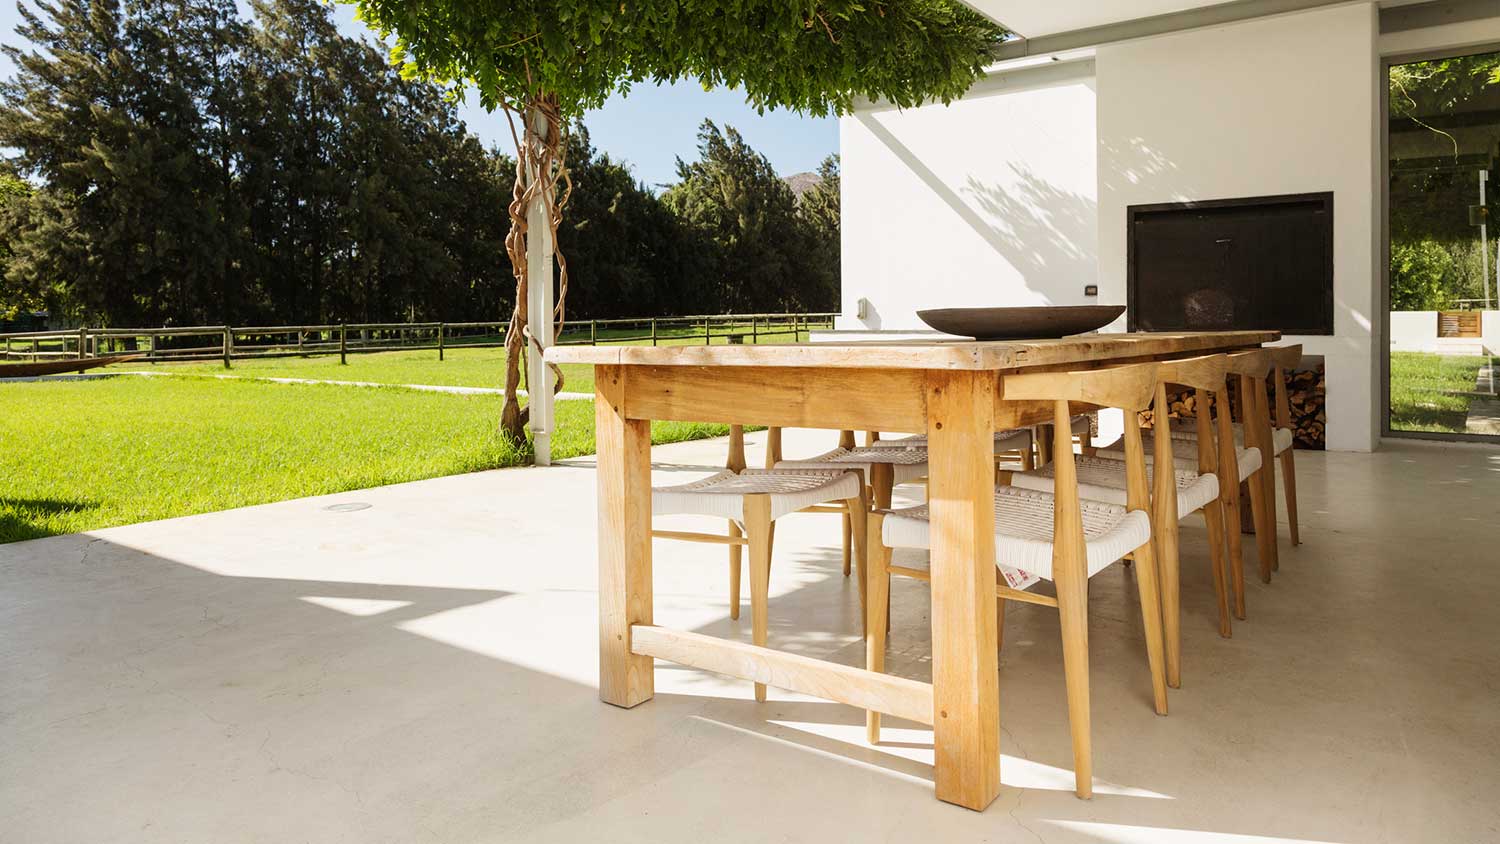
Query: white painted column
[539, 304]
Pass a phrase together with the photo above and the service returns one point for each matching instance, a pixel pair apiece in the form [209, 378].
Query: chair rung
[1005, 592]
[823, 508]
[689, 536]
[1010, 594]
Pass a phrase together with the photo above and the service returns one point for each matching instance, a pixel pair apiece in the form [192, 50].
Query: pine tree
[818, 210]
[732, 196]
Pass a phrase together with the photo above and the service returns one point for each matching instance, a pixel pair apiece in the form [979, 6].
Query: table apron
[786, 397]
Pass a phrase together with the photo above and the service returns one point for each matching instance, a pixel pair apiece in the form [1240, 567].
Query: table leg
[965, 669]
[625, 678]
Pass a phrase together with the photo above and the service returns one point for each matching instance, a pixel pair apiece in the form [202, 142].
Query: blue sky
[649, 129]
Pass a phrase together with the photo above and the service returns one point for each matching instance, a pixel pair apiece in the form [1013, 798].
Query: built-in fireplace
[1255, 262]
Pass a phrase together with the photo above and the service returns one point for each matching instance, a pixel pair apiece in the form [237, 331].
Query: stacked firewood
[1306, 396]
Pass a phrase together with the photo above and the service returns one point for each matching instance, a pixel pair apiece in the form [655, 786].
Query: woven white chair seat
[723, 494]
[1016, 439]
[1187, 429]
[1103, 479]
[908, 464]
[1023, 533]
[1185, 455]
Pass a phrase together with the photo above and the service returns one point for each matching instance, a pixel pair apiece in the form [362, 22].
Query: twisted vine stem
[539, 152]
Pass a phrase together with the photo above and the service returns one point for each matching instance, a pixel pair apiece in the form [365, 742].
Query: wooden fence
[230, 343]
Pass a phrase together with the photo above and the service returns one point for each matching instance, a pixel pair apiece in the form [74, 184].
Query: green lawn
[90, 454]
[1431, 392]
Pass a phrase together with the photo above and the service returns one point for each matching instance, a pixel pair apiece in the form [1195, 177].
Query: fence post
[441, 340]
[593, 332]
[33, 350]
[343, 345]
[754, 330]
[83, 341]
[707, 332]
[152, 354]
[228, 345]
[653, 332]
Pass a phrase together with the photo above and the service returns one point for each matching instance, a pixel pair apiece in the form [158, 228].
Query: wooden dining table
[951, 390]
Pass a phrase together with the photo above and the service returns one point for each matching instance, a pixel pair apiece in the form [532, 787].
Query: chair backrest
[1285, 357]
[1252, 362]
[1128, 387]
[1203, 373]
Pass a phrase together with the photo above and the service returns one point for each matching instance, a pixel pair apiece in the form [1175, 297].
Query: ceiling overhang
[1037, 18]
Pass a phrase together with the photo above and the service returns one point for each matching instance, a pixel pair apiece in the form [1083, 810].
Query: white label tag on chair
[1018, 579]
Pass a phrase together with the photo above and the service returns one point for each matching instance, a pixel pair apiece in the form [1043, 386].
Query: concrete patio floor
[425, 670]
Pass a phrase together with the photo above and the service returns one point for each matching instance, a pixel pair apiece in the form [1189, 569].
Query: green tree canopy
[814, 57]
[550, 61]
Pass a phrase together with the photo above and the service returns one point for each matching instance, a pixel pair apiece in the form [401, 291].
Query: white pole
[1484, 244]
[539, 303]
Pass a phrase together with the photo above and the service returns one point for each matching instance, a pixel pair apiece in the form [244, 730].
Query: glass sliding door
[1443, 146]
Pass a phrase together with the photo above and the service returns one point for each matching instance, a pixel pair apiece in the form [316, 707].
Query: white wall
[988, 201]
[1416, 331]
[1271, 106]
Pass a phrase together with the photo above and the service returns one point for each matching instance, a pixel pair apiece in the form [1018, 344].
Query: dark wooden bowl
[1020, 323]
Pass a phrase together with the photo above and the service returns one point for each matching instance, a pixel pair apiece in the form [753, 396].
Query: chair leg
[1213, 520]
[1234, 544]
[883, 483]
[1268, 483]
[1042, 434]
[847, 530]
[877, 605]
[758, 526]
[1289, 485]
[1073, 612]
[858, 513]
[1254, 416]
[1146, 580]
[999, 619]
[734, 570]
[1170, 595]
[1265, 529]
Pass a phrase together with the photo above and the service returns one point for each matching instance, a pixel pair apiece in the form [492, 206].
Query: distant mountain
[801, 183]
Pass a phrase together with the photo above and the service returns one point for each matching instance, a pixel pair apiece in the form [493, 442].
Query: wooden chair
[1283, 435]
[1042, 536]
[752, 500]
[1248, 464]
[1012, 446]
[1196, 489]
[880, 470]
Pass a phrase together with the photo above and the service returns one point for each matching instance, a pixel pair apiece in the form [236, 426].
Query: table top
[919, 354]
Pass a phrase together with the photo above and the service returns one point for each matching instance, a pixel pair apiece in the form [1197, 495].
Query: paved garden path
[1484, 413]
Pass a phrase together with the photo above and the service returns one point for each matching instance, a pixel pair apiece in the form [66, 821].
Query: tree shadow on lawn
[33, 518]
